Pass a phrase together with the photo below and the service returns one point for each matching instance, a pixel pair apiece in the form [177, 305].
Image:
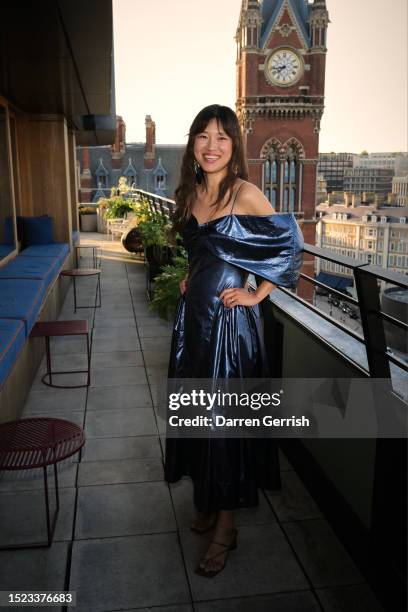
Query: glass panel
[7, 220]
[274, 198]
[274, 172]
[285, 200]
[268, 193]
[286, 175]
[292, 199]
[293, 171]
[267, 166]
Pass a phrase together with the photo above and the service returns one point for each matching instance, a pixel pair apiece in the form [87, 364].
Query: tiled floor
[122, 540]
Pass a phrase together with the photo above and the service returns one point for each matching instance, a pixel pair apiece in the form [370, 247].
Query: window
[160, 181]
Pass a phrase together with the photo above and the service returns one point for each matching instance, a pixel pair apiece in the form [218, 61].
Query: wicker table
[48, 329]
[37, 443]
[78, 272]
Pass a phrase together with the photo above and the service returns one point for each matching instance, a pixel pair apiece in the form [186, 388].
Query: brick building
[148, 166]
[281, 58]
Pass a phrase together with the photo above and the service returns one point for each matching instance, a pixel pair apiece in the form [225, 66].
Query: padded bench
[12, 339]
[24, 282]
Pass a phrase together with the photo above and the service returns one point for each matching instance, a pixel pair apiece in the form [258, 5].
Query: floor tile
[52, 399]
[115, 344]
[153, 330]
[262, 563]
[120, 471]
[102, 323]
[119, 423]
[322, 555]
[131, 572]
[354, 598]
[160, 343]
[293, 502]
[302, 601]
[124, 397]
[156, 357]
[113, 377]
[34, 570]
[124, 509]
[23, 518]
[117, 359]
[30, 480]
[109, 449]
[106, 333]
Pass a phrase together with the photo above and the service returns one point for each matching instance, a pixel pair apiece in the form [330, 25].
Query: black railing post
[373, 325]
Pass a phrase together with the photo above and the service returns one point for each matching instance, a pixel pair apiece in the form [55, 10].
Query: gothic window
[286, 173]
[274, 171]
[271, 178]
[160, 181]
[285, 200]
[274, 198]
[102, 181]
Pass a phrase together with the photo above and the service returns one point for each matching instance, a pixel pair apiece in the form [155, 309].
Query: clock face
[284, 67]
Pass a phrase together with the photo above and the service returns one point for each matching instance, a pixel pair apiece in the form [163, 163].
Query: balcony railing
[367, 280]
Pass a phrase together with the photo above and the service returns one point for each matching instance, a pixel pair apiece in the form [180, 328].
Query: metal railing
[366, 281]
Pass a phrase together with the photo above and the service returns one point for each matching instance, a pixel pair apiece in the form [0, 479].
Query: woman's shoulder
[251, 201]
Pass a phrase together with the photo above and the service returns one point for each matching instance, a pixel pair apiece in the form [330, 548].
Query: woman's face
[213, 148]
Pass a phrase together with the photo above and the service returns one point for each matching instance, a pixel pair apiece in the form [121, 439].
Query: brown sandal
[201, 571]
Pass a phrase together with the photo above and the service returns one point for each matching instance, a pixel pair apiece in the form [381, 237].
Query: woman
[229, 229]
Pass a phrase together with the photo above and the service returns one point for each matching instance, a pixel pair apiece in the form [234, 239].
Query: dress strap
[235, 197]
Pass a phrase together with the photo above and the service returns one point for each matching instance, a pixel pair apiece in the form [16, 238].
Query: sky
[173, 57]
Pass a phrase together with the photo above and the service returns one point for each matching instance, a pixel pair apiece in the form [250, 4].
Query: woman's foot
[216, 556]
[204, 522]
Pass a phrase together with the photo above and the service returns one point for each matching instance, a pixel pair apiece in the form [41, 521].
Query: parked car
[332, 299]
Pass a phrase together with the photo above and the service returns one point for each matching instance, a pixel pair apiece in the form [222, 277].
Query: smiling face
[213, 148]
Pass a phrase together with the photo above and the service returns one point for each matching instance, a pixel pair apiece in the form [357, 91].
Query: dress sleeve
[270, 247]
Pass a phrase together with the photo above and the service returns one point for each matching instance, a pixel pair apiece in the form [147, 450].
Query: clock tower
[281, 55]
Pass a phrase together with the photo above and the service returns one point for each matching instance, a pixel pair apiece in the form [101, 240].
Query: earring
[235, 169]
[197, 166]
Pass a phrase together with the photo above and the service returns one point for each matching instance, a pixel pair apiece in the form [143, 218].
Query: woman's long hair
[189, 179]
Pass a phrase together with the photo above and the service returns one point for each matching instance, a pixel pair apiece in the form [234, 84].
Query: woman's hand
[237, 296]
[183, 285]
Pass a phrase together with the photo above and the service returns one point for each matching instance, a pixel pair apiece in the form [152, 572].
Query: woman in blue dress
[229, 230]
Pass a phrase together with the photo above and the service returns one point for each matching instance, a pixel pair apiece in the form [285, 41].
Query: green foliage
[152, 226]
[166, 288]
[118, 206]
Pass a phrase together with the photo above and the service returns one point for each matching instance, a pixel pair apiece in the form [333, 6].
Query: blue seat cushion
[43, 268]
[12, 339]
[37, 230]
[21, 299]
[58, 249]
[5, 249]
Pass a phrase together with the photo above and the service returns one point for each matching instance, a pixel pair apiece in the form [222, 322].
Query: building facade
[148, 166]
[374, 180]
[333, 166]
[281, 56]
[400, 190]
[373, 233]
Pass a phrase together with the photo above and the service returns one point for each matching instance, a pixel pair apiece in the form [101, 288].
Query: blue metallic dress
[213, 341]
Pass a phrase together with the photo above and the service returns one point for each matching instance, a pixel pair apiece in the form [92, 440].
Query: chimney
[149, 153]
[118, 147]
[85, 187]
[355, 200]
[348, 201]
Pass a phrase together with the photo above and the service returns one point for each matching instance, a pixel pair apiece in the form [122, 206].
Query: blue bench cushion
[21, 299]
[43, 268]
[12, 339]
[6, 249]
[58, 249]
[37, 230]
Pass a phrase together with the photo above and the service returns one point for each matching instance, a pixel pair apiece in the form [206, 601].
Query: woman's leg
[204, 522]
[218, 549]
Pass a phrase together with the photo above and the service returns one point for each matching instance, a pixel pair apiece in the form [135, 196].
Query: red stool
[47, 329]
[35, 443]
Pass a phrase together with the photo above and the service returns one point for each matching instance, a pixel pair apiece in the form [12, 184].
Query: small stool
[96, 254]
[75, 273]
[35, 443]
[47, 329]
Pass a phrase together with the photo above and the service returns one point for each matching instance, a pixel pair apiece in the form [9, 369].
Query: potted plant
[87, 219]
[153, 227]
[166, 288]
